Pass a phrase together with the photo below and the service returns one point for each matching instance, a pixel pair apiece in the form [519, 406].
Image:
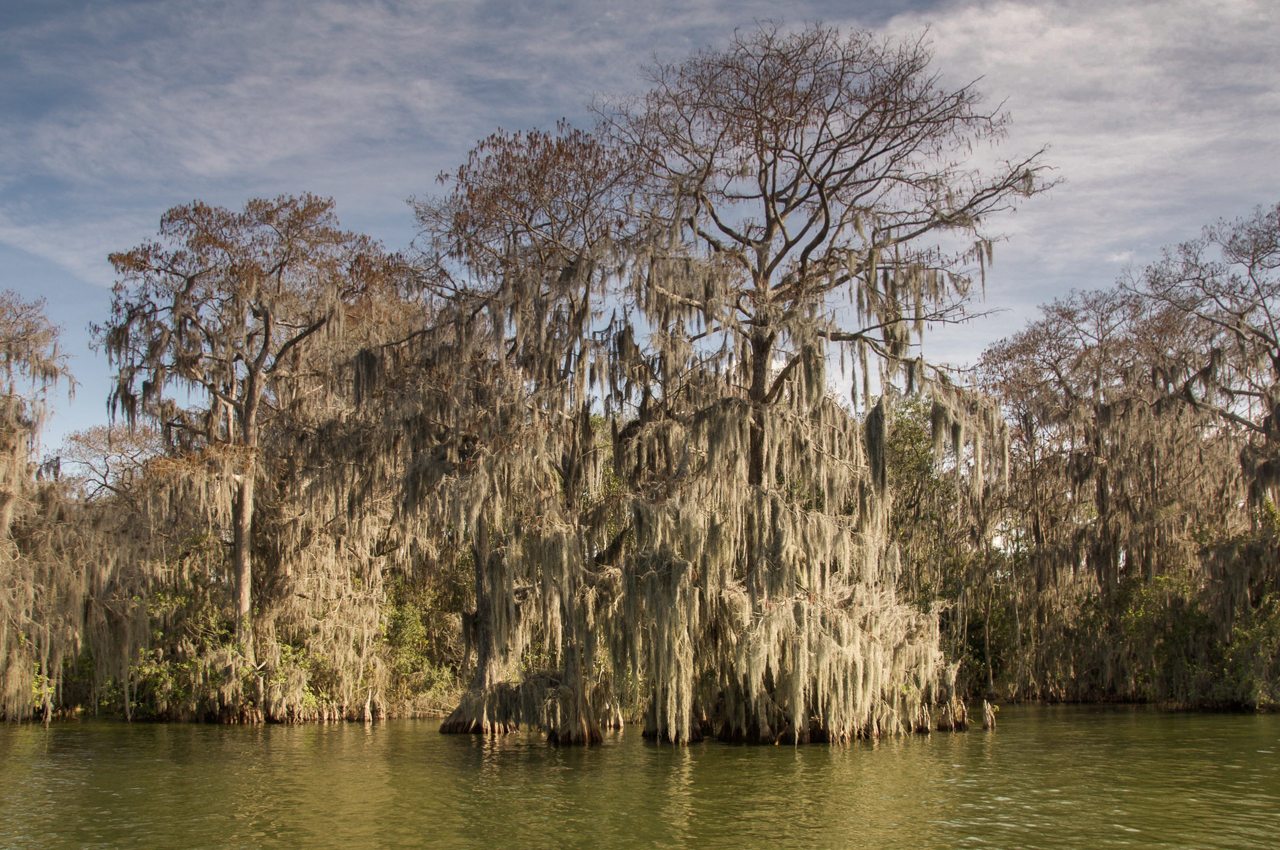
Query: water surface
[1062, 777]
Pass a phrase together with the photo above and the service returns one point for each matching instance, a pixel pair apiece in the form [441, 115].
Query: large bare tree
[805, 197]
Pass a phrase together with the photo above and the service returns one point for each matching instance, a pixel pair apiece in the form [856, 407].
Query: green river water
[1048, 777]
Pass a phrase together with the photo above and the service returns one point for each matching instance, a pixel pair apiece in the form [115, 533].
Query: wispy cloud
[1160, 116]
[124, 109]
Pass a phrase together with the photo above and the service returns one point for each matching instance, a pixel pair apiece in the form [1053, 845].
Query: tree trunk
[761, 350]
[986, 648]
[242, 521]
[757, 393]
[242, 562]
[489, 706]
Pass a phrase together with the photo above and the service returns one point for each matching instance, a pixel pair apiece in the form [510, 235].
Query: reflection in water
[1055, 777]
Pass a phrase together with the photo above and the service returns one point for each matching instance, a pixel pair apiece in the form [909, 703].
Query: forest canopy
[576, 458]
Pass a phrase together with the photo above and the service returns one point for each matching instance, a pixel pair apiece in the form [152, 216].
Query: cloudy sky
[1160, 117]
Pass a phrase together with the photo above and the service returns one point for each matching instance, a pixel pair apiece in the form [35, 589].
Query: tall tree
[797, 191]
[210, 324]
[38, 603]
[525, 243]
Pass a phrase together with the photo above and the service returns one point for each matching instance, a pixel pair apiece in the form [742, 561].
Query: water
[1049, 777]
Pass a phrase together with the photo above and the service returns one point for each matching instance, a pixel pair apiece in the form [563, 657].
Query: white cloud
[1160, 116]
[130, 107]
[80, 248]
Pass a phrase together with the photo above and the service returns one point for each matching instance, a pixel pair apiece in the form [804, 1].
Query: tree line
[575, 457]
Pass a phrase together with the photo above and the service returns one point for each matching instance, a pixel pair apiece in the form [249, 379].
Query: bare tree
[1227, 283]
[109, 461]
[805, 196]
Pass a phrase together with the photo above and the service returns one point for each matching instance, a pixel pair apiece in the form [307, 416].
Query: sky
[1160, 117]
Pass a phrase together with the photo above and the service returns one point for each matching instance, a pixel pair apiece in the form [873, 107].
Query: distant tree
[30, 365]
[109, 461]
[1117, 492]
[1226, 284]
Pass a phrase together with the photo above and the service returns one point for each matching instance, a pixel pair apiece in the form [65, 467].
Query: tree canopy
[580, 457]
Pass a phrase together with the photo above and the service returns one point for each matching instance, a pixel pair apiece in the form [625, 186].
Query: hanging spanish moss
[733, 558]
[511, 458]
[639, 386]
[1136, 558]
[40, 594]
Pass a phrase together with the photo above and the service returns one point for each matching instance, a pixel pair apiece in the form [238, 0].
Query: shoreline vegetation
[80, 713]
[638, 431]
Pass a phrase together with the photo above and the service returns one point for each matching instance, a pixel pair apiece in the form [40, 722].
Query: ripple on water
[1049, 778]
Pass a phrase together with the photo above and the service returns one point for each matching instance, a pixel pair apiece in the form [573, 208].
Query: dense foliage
[1139, 525]
[577, 459]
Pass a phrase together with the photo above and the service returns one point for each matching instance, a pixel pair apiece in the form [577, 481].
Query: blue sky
[1160, 117]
